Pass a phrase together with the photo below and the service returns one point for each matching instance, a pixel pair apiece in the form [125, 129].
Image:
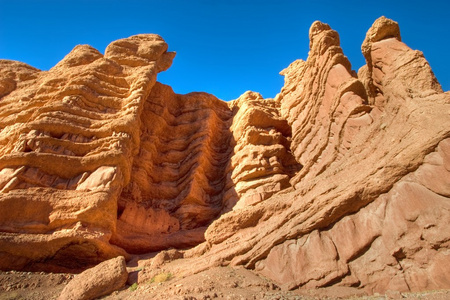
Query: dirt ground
[216, 283]
[32, 286]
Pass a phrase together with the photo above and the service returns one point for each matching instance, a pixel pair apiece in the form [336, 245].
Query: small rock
[393, 295]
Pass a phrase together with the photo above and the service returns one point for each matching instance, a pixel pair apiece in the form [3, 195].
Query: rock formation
[67, 142]
[177, 182]
[343, 179]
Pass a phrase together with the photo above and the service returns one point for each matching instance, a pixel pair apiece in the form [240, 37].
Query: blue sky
[223, 47]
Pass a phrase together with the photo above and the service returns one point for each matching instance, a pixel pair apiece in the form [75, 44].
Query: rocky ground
[216, 283]
[32, 286]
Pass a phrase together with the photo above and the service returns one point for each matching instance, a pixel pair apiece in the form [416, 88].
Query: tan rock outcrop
[107, 157]
[342, 179]
[324, 103]
[177, 182]
[67, 140]
[398, 242]
[370, 212]
[262, 163]
[187, 171]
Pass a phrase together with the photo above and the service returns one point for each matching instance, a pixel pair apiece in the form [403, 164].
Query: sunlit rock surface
[342, 179]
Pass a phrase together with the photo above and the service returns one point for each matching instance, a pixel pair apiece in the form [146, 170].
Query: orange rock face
[178, 176]
[67, 142]
[342, 179]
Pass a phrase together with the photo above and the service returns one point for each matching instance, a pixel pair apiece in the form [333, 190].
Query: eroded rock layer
[68, 136]
[342, 179]
[98, 158]
[178, 176]
[323, 102]
[369, 206]
[262, 163]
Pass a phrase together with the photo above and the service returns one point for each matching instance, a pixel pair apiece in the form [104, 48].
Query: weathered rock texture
[68, 138]
[342, 179]
[178, 175]
[262, 163]
[103, 279]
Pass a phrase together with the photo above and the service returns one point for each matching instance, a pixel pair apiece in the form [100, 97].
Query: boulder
[103, 279]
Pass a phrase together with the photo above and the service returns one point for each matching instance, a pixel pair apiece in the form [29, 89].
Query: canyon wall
[342, 179]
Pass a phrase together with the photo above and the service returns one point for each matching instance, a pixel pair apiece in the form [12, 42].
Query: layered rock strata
[98, 158]
[68, 136]
[342, 179]
[372, 210]
[178, 176]
[200, 157]
[323, 102]
[262, 163]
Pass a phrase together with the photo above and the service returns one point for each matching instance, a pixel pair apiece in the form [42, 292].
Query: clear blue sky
[223, 47]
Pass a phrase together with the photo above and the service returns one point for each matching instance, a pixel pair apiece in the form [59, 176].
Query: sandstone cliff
[342, 179]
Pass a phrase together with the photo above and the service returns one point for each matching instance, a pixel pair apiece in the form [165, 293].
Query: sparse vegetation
[133, 287]
[162, 277]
